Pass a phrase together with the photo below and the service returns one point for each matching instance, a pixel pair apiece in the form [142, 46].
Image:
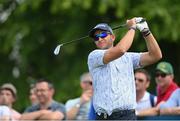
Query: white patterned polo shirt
[113, 83]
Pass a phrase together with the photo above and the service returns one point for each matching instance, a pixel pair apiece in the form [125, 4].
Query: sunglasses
[160, 74]
[140, 80]
[88, 82]
[101, 35]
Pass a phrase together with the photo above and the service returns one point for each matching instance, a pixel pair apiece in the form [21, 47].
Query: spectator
[8, 96]
[78, 108]
[32, 95]
[144, 99]
[5, 114]
[164, 78]
[172, 105]
[47, 108]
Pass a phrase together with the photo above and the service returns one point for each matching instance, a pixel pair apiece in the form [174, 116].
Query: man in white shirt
[144, 99]
[112, 69]
[8, 96]
[78, 108]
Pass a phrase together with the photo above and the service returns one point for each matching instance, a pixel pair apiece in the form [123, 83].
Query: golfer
[112, 69]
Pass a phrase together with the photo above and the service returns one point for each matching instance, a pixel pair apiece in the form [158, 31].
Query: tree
[30, 30]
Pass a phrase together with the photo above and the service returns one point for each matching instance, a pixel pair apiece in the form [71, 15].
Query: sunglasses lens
[96, 38]
[101, 35]
[160, 74]
[88, 82]
[140, 80]
[163, 75]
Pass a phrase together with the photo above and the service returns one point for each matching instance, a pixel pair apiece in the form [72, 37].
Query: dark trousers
[118, 115]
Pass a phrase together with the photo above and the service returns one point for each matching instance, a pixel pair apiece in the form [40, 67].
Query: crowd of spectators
[44, 107]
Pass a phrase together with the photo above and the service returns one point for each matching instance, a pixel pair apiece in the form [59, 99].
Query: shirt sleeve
[5, 111]
[56, 106]
[135, 57]
[95, 58]
[61, 108]
[172, 101]
[70, 103]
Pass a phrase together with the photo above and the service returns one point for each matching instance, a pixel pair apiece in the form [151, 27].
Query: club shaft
[72, 41]
[117, 27]
[75, 40]
[120, 26]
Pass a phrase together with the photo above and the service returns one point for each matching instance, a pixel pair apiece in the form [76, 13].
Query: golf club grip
[124, 25]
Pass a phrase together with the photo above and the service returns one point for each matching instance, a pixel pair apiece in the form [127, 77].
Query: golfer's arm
[154, 52]
[118, 50]
[170, 111]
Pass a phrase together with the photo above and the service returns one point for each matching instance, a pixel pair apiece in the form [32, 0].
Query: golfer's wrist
[132, 28]
[146, 33]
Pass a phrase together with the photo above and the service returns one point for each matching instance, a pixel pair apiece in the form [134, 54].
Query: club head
[57, 49]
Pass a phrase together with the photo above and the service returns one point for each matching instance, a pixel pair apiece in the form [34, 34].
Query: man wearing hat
[78, 108]
[164, 78]
[112, 69]
[8, 95]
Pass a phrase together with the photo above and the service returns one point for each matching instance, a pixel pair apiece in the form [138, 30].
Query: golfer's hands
[138, 19]
[131, 24]
[142, 26]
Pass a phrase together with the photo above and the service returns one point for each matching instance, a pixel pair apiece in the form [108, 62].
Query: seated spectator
[172, 105]
[5, 114]
[164, 77]
[32, 95]
[47, 108]
[8, 96]
[165, 81]
[78, 108]
[144, 99]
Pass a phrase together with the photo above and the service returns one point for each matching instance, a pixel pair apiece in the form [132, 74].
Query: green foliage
[33, 29]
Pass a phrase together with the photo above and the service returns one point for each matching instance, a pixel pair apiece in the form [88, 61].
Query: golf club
[57, 49]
